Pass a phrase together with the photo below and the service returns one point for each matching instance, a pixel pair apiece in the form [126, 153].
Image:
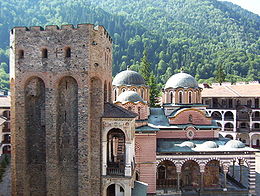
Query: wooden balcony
[6, 130]
[115, 171]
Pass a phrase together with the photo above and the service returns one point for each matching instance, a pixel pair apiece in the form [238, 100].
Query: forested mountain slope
[195, 35]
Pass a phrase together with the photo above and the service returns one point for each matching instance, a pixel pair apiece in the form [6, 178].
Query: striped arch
[190, 159]
[214, 159]
[166, 159]
[245, 160]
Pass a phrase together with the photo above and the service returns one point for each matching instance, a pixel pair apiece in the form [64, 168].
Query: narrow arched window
[115, 94]
[180, 97]
[171, 97]
[190, 97]
[20, 54]
[67, 52]
[139, 112]
[142, 93]
[44, 53]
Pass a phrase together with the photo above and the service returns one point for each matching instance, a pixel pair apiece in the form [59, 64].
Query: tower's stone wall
[58, 78]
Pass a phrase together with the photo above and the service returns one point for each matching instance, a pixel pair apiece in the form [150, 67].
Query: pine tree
[145, 67]
[220, 74]
[154, 91]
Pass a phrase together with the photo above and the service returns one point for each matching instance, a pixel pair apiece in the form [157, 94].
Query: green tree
[145, 70]
[220, 75]
[154, 91]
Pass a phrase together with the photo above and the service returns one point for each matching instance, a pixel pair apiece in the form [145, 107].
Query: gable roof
[5, 102]
[115, 111]
[238, 90]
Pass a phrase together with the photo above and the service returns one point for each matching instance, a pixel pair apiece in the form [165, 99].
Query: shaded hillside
[194, 35]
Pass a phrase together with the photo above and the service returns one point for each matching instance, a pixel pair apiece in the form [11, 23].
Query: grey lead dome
[129, 96]
[235, 144]
[128, 77]
[181, 80]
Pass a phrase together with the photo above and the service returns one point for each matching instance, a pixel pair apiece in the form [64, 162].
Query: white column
[222, 120]
[104, 157]
[235, 121]
[250, 121]
[128, 159]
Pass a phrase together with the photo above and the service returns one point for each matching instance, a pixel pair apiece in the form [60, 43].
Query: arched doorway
[166, 175]
[212, 175]
[115, 190]
[115, 152]
[190, 175]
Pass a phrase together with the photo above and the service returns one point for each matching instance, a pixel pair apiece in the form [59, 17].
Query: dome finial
[128, 67]
[182, 70]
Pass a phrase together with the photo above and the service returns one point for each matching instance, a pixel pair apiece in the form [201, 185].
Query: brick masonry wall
[146, 159]
[197, 118]
[182, 134]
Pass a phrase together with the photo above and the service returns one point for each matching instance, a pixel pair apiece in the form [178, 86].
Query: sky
[251, 5]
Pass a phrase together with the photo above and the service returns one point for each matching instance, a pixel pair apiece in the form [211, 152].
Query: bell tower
[60, 80]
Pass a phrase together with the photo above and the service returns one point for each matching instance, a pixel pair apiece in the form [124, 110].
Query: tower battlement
[62, 27]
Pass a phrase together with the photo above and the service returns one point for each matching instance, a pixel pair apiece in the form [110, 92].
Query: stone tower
[60, 79]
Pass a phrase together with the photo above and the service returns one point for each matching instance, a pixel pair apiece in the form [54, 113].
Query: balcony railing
[243, 118]
[6, 130]
[115, 171]
[166, 183]
[216, 118]
[228, 129]
[6, 142]
[228, 118]
[243, 130]
[255, 130]
[256, 119]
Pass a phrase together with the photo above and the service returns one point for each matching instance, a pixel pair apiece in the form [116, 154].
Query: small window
[142, 93]
[190, 118]
[139, 112]
[123, 90]
[67, 52]
[171, 97]
[20, 54]
[44, 53]
[190, 97]
[180, 97]
[115, 94]
[130, 108]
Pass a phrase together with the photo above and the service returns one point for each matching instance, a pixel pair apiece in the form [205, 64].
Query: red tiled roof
[5, 101]
[239, 90]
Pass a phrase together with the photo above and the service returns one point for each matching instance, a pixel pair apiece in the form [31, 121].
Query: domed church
[75, 132]
[177, 146]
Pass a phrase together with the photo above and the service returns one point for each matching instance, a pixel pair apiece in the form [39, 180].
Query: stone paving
[5, 185]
